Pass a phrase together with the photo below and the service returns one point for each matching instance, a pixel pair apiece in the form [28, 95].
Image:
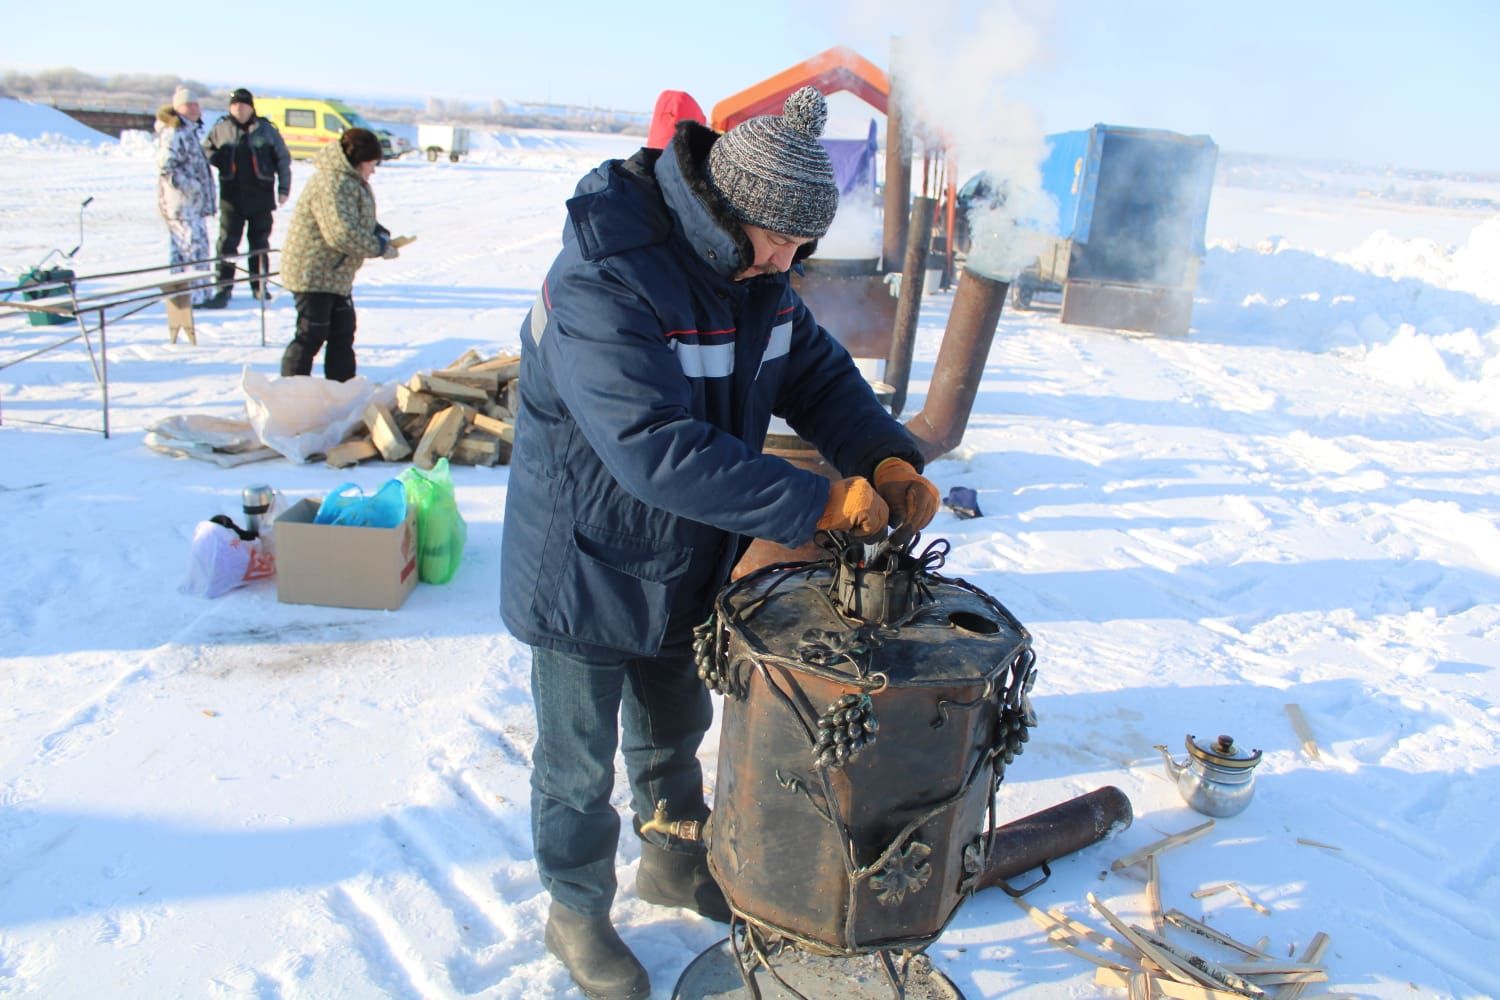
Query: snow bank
[42, 123]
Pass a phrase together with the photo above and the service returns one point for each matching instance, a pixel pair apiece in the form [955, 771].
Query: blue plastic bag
[349, 506]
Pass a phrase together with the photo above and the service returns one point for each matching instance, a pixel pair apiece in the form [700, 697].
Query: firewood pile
[1165, 955]
[464, 412]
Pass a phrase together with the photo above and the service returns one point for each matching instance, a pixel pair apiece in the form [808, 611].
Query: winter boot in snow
[680, 878]
[218, 300]
[596, 958]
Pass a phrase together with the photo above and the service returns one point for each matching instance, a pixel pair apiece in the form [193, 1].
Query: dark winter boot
[596, 958]
[680, 878]
[218, 300]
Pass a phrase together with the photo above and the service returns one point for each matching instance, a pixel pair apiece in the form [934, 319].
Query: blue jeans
[581, 707]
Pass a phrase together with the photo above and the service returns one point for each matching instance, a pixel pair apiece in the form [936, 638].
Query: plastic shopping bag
[349, 506]
[441, 531]
[302, 416]
[221, 558]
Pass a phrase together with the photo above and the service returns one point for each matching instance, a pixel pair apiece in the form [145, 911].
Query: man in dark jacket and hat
[255, 179]
[664, 338]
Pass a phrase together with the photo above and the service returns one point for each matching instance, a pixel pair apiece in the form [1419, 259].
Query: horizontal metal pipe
[1055, 832]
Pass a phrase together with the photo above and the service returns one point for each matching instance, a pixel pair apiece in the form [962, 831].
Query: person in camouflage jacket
[185, 192]
[333, 232]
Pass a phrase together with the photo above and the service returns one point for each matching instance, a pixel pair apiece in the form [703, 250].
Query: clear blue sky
[1376, 81]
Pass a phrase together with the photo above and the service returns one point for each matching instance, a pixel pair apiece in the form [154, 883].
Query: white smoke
[952, 63]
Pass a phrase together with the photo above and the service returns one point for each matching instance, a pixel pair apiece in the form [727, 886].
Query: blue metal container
[1128, 237]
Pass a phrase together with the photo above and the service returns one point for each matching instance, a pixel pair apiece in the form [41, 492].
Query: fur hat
[242, 96]
[181, 96]
[773, 172]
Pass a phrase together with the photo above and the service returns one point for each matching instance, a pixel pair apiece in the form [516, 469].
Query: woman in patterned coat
[185, 191]
[333, 232]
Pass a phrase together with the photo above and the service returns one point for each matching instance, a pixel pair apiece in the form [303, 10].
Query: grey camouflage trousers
[190, 243]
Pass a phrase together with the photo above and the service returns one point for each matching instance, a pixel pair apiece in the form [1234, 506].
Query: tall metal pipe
[897, 175]
[909, 304]
[1054, 833]
[960, 364]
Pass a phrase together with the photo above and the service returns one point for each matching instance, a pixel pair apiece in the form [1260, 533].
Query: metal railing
[80, 297]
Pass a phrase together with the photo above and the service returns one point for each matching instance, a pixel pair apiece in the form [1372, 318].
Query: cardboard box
[341, 566]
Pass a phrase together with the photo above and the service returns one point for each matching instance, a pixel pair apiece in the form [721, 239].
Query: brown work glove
[855, 507]
[913, 501]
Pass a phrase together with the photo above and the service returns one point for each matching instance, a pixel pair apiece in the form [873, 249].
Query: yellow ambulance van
[308, 123]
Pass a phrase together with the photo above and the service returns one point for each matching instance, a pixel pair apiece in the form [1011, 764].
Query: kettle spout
[1173, 768]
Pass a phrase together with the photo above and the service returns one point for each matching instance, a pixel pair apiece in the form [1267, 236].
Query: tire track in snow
[1421, 935]
[393, 961]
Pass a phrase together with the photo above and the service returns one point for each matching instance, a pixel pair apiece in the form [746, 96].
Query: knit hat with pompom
[774, 173]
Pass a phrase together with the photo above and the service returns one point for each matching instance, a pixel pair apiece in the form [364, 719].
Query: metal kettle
[1217, 779]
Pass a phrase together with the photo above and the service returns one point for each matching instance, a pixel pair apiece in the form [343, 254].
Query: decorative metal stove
[871, 708]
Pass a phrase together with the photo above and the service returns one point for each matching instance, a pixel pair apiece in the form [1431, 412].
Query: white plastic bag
[304, 415]
[221, 560]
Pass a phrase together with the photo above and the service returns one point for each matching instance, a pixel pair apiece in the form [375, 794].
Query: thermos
[257, 501]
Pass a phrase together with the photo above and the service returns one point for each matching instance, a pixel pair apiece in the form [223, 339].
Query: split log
[501, 429]
[351, 453]
[488, 381]
[417, 404]
[477, 449]
[508, 365]
[468, 359]
[413, 426]
[386, 434]
[449, 389]
[441, 437]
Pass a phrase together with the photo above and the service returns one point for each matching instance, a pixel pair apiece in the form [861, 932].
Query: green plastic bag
[441, 532]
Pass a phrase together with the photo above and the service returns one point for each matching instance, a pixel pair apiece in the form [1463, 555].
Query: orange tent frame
[838, 68]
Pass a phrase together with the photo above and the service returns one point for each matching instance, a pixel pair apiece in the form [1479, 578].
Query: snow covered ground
[1295, 503]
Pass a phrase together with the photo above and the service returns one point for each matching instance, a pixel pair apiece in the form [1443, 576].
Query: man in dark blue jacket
[665, 336]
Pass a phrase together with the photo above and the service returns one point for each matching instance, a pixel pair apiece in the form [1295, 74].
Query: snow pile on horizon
[40, 124]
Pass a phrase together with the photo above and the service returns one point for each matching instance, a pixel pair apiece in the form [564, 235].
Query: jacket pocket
[615, 589]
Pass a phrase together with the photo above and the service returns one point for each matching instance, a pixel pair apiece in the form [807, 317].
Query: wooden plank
[1238, 890]
[1164, 844]
[441, 437]
[388, 438]
[1153, 895]
[1312, 956]
[1165, 987]
[1050, 920]
[1304, 731]
[1219, 975]
[1173, 966]
[351, 453]
[1179, 919]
